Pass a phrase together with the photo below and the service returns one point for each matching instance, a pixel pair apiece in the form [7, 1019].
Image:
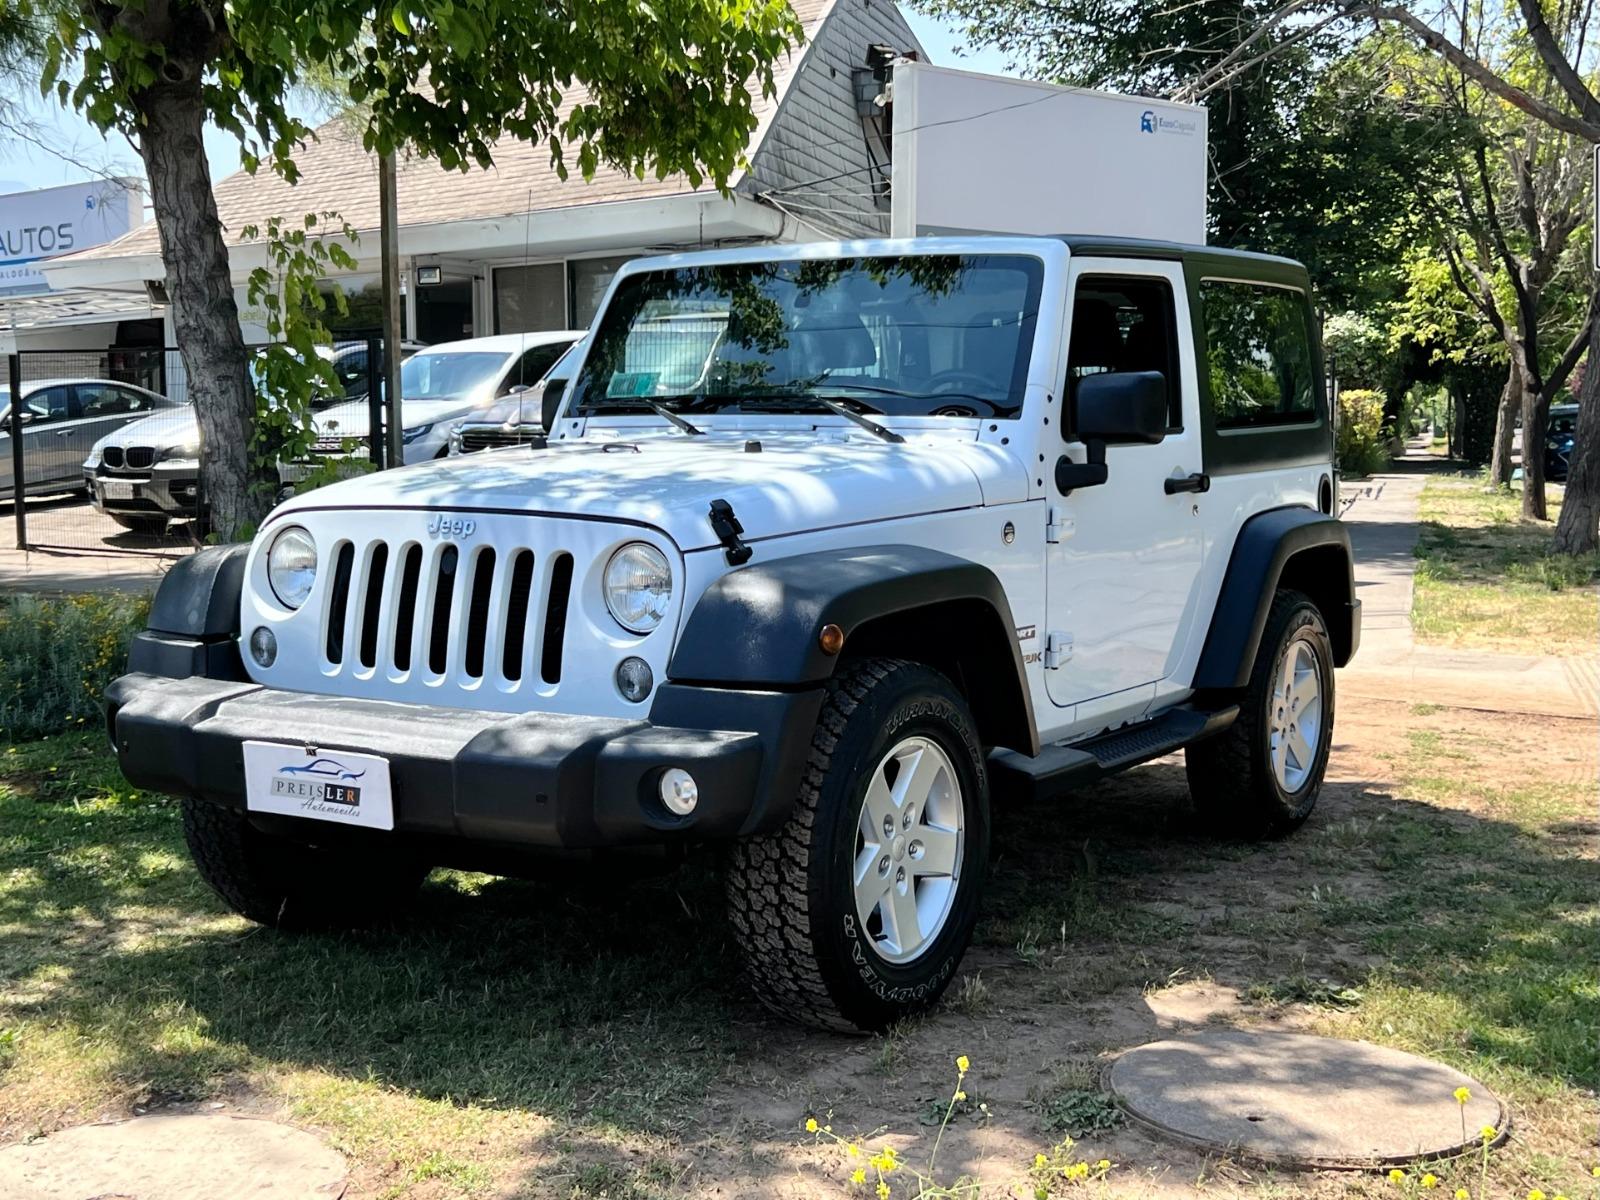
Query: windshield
[913, 335]
[445, 375]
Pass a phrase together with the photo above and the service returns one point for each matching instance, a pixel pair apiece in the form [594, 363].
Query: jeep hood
[792, 485]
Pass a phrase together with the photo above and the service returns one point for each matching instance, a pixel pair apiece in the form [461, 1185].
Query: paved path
[1382, 515]
[82, 551]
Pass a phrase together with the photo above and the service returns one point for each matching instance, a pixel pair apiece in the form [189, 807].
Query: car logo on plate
[451, 527]
[321, 781]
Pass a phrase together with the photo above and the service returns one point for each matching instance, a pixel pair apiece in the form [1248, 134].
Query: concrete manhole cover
[1298, 1100]
[174, 1157]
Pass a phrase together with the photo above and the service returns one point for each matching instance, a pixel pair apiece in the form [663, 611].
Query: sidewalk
[1381, 513]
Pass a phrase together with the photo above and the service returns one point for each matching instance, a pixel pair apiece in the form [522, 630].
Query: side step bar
[1058, 768]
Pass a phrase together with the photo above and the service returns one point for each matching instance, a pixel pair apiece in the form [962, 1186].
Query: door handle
[63, 433]
[1198, 482]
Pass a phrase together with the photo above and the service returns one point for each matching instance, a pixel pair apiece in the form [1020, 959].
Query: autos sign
[42, 224]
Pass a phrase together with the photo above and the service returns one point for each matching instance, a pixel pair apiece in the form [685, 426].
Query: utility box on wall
[985, 153]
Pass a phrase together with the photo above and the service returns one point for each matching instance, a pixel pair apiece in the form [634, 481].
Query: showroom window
[589, 278]
[530, 299]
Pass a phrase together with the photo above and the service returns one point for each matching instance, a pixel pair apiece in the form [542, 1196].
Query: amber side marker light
[830, 640]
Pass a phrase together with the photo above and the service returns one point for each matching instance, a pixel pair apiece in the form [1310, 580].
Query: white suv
[925, 516]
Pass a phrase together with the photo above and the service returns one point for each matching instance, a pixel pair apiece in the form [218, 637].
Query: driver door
[1124, 556]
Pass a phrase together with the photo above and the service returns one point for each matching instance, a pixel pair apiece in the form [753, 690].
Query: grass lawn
[1486, 578]
[591, 1039]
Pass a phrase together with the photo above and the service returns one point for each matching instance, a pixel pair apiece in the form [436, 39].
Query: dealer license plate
[116, 489]
[329, 785]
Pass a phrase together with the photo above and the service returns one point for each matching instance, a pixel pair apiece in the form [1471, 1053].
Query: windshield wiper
[995, 407]
[803, 401]
[622, 403]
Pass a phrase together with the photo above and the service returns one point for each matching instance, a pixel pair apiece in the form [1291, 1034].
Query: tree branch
[1574, 351]
[1583, 126]
[1550, 50]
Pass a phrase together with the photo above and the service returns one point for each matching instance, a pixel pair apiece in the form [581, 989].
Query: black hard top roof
[1244, 263]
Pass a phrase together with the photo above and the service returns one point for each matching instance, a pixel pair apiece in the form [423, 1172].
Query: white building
[516, 248]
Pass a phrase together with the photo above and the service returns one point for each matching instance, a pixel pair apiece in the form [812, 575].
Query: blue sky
[75, 149]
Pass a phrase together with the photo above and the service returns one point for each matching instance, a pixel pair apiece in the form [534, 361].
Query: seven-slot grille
[446, 611]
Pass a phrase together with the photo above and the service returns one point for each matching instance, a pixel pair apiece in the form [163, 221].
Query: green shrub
[1361, 447]
[57, 655]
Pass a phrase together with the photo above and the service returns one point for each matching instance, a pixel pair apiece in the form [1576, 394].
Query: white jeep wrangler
[826, 539]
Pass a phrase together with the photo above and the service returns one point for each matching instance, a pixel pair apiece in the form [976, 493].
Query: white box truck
[986, 153]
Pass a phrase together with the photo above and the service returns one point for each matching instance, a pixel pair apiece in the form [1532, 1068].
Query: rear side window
[1258, 355]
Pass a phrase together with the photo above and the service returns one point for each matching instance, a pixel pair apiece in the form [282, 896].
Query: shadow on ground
[615, 1001]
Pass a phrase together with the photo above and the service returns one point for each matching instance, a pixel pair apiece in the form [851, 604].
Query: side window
[533, 366]
[351, 370]
[107, 400]
[49, 404]
[1258, 355]
[1125, 323]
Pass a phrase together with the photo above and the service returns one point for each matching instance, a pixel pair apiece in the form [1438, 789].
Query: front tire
[295, 885]
[1261, 777]
[857, 912]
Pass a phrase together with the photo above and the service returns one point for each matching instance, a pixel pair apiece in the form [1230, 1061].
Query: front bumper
[165, 490]
[512, 780]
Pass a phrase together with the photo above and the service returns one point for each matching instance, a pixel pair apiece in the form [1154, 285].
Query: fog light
[679, 792]
[634, 679]
[263, 646]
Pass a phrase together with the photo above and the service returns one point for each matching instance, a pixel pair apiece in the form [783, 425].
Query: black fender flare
[1282, 547]
[758, 626]
[194, 619]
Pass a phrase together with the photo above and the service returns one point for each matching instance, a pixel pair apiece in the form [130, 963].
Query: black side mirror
[550, 403]
[1127, 407]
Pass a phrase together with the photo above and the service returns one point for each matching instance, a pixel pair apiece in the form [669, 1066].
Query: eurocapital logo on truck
[38, 225]
[1151, 121]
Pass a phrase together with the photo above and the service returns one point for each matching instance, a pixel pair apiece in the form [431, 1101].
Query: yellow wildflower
[1430, 1180]
[859, 1175]
[1040, 1160]
[883, 1190]
[1487, 1133]
[962, 1064]
[1463, 1194]
[960, 1095]
[811, 1125]
[853, 1150]
[1595, 1171]
[1536, 1194]
[1396, 1175]
[1103, 1165]
[1462, 1095]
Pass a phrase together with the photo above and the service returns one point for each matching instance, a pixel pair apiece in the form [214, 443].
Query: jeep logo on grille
[451, 527]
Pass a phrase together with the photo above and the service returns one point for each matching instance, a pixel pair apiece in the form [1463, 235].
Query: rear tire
[857, 912]
[294, 885]
[150, 526]
[1260, 778]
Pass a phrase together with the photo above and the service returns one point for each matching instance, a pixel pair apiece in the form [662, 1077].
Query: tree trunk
[1535, 420]
[204, 312]
[1578, 528]
[1505, 428]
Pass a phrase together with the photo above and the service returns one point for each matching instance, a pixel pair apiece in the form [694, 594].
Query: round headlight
[638, 587]
[292, 566]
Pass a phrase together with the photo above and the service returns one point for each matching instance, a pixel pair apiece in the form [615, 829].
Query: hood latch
[727, 528]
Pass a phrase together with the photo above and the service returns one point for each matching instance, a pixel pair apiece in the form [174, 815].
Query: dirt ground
[1239, 942]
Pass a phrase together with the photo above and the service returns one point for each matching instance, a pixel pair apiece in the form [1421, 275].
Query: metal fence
[109, 452]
